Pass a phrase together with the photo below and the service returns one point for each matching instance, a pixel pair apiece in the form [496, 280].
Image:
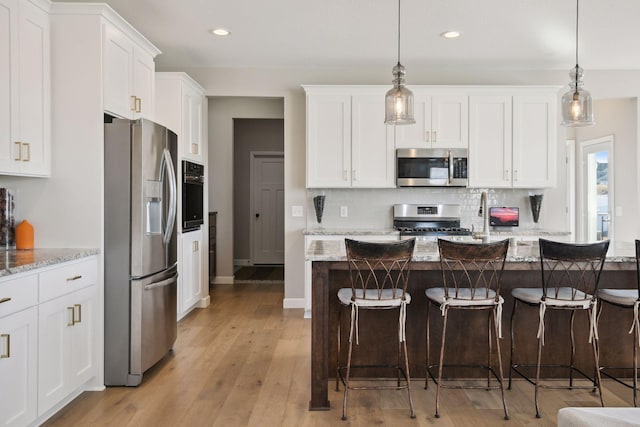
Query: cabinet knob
[257, 215]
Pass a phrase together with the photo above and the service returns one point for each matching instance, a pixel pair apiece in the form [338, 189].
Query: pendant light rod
[577, 22]
[398, 31]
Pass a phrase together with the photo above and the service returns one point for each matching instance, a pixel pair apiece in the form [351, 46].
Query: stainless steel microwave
[431, 167]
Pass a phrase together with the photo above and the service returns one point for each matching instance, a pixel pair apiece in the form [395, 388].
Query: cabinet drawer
[68, 278]
[23, 293]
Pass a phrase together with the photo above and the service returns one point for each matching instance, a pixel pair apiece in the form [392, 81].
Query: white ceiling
[497, 34]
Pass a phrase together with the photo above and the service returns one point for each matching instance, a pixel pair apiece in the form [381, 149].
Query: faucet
[484, 212]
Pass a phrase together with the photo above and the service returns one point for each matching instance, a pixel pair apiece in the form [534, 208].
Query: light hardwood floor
[244, 361]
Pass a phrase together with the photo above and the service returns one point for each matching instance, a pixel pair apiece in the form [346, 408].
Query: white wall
[222, 111]
[285, 83]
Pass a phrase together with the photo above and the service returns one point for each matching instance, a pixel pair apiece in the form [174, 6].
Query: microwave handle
[450, 167]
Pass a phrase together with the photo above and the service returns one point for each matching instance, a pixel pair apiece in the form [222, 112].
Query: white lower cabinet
[190, 274]
[65, 355]
[18, 367]
[47, 338]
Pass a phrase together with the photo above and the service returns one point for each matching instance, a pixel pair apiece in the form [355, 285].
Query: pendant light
[577, 106]
[399, 99]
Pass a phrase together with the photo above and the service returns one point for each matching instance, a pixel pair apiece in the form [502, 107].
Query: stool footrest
[603, 371]
[430, 368]
[515, 369]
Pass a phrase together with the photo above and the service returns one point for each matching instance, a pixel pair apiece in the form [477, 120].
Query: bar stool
[379, 274]
[570, 277]
[471, 275]
[626, 299]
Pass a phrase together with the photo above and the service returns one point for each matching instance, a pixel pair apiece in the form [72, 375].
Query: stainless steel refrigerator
[140, 256]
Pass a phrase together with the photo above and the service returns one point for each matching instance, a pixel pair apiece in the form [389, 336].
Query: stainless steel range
[429, 222]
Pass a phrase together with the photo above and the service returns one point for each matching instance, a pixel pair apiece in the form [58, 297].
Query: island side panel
[320, 337]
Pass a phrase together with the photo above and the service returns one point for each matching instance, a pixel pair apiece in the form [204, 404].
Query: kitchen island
[330, 272]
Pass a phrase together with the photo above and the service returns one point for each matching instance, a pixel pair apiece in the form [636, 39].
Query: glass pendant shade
[577, 105]
[399, 101]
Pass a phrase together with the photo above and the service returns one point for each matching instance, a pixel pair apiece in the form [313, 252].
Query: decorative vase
[536, 205]
[318, 204]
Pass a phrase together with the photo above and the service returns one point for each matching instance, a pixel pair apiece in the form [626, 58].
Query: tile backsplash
[372, 208]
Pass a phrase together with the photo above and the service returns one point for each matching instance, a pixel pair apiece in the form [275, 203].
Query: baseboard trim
[204, 302]
[242, 262]
[293, 303]
[223, 280]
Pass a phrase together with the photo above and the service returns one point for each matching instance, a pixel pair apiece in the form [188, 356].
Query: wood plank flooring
[245, 361]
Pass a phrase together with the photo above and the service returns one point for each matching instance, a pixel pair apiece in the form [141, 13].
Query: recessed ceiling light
[220, 32]
[451, 34]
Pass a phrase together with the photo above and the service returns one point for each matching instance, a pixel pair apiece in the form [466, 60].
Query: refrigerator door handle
[162, 283]
[172, 196]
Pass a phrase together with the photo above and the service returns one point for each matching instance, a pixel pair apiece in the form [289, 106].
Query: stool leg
[440, 367]
[399, 357]
[573, 348]
[538, 376]
[338, 349]
[346, 383]
[596, 359]
[512, 343]
[635, 368]
[489, 334]
[406, 367]
[426, 374]
[500, 372]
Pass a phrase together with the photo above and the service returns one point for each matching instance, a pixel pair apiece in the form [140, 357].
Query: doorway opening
[258, 192]
[596, 189]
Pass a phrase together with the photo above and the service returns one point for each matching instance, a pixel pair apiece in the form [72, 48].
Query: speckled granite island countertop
[350, 232]
[523, 252]
[19, 261]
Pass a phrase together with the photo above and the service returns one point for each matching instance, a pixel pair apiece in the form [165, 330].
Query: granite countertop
[18, 261]
[350, 232]
[334, 250]
[528, 232]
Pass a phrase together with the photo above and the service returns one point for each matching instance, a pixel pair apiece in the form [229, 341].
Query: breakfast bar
[522, 269]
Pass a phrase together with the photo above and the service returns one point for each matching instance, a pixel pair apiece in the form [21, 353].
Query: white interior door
[267, 212]
[596, 189]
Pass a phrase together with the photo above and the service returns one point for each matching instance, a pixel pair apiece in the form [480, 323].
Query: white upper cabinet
[179, 106]
[441, 122]
[512, 140]
[25, 89]
[129, 72]
[348, 144]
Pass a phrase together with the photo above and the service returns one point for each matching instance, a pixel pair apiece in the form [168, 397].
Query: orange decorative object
[24, 235]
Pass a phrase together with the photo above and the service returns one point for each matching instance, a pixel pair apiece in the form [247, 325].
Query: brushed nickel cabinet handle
[194, 148]
[435, 136]
[72, 317]
[4, 300]
[8, 353]
[515, 174]
[344, 174]
[427, 136]
[133, 103]
[72, 278]
[138, 104]
[79, 307]
[353, 175]
[19, 144]
[28, 158]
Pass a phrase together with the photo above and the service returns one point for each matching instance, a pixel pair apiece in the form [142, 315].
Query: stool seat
[373, 298]
[464, 297]
[624, 297]
[564, 296]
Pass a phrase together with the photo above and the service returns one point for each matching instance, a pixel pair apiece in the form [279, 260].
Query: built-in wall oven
[192, 196]
[431, 167]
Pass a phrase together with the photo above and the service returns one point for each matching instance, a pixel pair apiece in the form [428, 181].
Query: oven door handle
[450, 167]
[171, 217]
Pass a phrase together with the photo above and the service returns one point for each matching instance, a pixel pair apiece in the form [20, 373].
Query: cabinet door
[54, 330]
[144, 70]
[34, 105]
[19, 368]
[490, 141]
[192, 124]
[8, 85]
[534, 141]
[191, 273]
[328, 141]
[82, 366]
[372, 145]
[118, 57]
[449, 121]
[419, 134]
